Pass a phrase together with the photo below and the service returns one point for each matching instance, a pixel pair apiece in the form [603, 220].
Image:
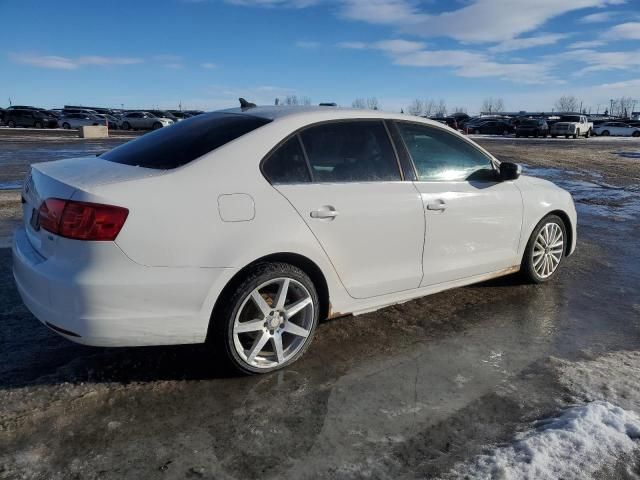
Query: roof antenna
[244, 104]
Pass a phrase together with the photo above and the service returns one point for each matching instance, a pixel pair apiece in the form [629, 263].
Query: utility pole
[611, 107]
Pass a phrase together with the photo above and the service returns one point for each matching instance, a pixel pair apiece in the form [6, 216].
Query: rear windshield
[531, 123]
[569, 118]
[183, 142]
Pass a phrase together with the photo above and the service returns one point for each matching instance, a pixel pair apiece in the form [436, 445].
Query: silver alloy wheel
[548, 250]
[273, 323]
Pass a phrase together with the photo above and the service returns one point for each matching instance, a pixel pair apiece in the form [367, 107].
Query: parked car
[113, 121]
[449, 121]
[2, 111]
[617, 129]
[532, 127]
[572, 126]
[77, 120]
[143, 121]
[180, 115]
[491, 127]
[29, 118]
[288, 216]
[164, 114]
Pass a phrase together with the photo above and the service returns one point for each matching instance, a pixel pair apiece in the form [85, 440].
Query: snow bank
[571, 446]
[583, 438]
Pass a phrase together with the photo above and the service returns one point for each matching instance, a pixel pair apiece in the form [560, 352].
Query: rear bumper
[105, 299]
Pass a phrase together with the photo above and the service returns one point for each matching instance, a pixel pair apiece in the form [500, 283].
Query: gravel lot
[438, 387]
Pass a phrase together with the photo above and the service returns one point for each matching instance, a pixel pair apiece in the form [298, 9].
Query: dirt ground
[412, 391]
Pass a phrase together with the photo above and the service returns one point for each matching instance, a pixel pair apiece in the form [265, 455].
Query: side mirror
[509, 171]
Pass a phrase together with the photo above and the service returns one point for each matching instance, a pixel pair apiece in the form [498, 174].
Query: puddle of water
[16, 185]
[594, 197]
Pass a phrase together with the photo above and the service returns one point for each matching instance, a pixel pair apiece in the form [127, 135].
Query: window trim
[492, 160]
[297, 133]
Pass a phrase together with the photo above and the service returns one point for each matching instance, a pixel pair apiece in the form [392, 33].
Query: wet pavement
[405, 392]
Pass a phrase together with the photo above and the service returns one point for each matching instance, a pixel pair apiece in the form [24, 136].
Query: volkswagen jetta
[243, 228]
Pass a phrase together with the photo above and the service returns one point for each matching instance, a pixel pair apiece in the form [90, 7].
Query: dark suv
[532, 127]
[29, 118]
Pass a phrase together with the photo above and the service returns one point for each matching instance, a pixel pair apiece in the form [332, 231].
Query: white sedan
[244, 228]
[616, 128]
[77, 120]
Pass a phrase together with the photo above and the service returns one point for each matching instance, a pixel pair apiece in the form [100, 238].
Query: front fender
[540, 198]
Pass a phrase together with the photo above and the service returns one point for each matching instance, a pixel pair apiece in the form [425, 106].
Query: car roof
[317, 114]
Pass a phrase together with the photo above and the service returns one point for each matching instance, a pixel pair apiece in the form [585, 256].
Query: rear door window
[183, 142]
[350, 151]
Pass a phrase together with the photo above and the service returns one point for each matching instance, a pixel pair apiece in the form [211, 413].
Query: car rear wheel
[11, 124]
[545, 250]
[588, 134]
[37, 125]
[126, 126]
[605, 133]
[156, 125]
[66, 126]
[636, 133]
[268, 321]
[536, 134]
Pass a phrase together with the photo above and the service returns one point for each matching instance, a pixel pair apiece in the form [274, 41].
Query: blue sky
[206, 53]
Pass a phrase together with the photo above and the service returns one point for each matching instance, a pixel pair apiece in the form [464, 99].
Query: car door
[473, 220]
[348, 189]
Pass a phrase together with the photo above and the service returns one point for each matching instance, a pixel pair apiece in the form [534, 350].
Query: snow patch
[573, 445]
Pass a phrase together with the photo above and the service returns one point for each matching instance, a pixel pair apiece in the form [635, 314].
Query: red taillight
[81, 220]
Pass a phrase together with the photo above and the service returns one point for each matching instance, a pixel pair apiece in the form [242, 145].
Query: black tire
[636, 133]
[126, 126]
[66, 126]
[156, 126]
[11, 124]
[527, 269]
[605, 133]
[37, 125]
[477, 132]
[220, 336]
[588, 134]
[554, 136]
[566, 136]
[536, 134]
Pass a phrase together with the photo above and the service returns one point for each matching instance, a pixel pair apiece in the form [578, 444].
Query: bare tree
[567, 103]
[441, 109]
[459, 110]
[416, 107]
[492, 105]
[306, 101]
[429, 107]
[372, 103]
[625, 106]
[359, 103]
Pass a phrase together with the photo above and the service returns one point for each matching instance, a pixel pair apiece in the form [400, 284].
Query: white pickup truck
[572, 126]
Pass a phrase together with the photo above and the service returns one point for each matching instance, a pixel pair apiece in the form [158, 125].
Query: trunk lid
[61, 179]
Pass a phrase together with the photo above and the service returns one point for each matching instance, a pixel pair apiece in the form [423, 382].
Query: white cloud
[208, 65]
[623, 84]
[274, 3]
[587, 44]
[399, 46]
[625, 31]
[464, 63]
[602, 61]
[528, 42]
[307, 44]
[597, 17]
[67, 63]
[476, 22]
[353, 45]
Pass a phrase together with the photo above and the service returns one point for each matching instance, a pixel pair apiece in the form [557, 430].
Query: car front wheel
[545, 250]
[269, 320]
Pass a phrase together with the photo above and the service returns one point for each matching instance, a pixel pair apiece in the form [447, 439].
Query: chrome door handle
[438, 206]
[326, 212]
